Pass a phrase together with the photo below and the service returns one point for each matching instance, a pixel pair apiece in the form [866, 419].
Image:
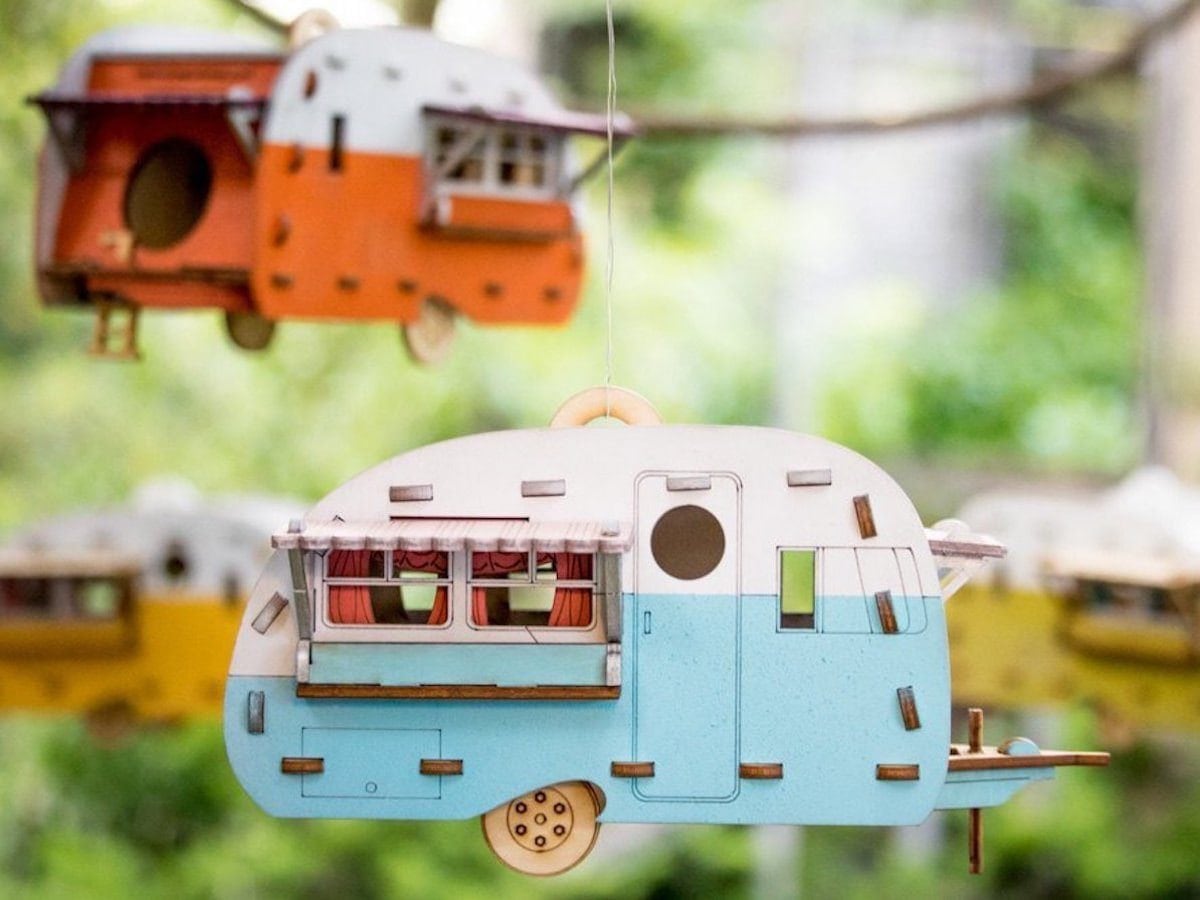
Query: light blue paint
[823, 705]
[499, 664]
[686, 696]
[988, 788]
[371, 763]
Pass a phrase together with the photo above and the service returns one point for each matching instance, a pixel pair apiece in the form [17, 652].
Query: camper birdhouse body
[368, 174]
[700, 624]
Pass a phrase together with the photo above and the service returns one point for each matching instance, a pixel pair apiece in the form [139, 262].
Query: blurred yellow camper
[129, 613]
[1098, 601]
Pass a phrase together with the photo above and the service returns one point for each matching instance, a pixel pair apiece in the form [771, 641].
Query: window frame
[592, 585]
[816, 582]
[65, 604]
[493, 157]
[388, 580]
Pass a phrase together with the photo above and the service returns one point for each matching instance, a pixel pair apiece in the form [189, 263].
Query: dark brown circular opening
[687, 542]
[167, 192]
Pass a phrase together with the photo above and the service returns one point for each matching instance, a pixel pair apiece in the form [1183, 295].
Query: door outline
[729, 568]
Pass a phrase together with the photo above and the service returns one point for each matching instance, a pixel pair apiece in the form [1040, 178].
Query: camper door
[686, 634]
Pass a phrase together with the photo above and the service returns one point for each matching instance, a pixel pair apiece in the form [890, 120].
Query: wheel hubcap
[540, 821]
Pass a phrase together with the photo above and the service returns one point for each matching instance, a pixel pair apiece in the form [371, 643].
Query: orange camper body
[370, 174]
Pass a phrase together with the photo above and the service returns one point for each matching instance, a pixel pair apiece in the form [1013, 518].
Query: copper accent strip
[908, 708]
[866, 519]
[963, 760]
[975, 840]
[409, 493]
[632, 770]
[897, 772]
[761, 771]
[887, 615]
[974, 729]
[458, 692]
[441, 767]
[302, 765]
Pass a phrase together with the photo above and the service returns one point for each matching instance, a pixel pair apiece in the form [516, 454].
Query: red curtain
[431, 561]
[492, 565]
[349, 604]
[572, 606]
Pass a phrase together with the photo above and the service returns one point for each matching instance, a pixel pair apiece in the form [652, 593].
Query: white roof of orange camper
[381, 80]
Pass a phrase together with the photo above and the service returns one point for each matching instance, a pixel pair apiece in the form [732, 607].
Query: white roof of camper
[1145, 527]
[153, 40]
[220, 540]
[480, 478]
[380, 79]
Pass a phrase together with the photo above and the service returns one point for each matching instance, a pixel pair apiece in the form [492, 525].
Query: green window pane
[797, 588]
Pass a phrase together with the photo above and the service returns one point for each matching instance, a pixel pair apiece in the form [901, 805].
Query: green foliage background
[1037, 371]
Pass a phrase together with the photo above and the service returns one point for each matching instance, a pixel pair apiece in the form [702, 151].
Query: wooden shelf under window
[457, 692]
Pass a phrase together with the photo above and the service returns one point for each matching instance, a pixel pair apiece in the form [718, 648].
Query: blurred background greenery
[1031, 362]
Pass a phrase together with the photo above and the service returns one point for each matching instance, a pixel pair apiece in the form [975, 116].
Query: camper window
[492, 159]
[1135, 601]
[62, 598]
[459, 154]
[377, 587]
[797, 588]
[554, 590]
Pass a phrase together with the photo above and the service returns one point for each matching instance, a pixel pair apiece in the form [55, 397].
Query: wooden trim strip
[410, 493]
[302, 765]
[897, 772]
[550, 487]
[458, 692]
[809, 477]
[761, 771]
[908, 708]
[632, 769]
[441, 767]
[866, 518]
[887, 615]
[963, 760]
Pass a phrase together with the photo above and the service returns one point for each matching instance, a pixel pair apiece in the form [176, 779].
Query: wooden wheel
[547, 831]
[429, 338]
[248, 330]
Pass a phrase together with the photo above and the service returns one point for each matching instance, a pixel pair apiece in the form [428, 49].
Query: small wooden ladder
[111, 342]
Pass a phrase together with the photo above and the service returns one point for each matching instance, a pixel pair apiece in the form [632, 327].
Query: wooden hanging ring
[598, 402]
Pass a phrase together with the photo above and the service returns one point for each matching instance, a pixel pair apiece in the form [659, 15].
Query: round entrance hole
[167, 192]
[687, 542]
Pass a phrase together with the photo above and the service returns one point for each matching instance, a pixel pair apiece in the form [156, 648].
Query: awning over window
[49, 100]
[20, 563]
[1115, 567]
[507, 535]
[572, 122]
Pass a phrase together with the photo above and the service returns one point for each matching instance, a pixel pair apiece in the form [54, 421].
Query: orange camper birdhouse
[366, 174]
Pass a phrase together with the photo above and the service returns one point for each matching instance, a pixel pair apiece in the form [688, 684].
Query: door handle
[646, 622]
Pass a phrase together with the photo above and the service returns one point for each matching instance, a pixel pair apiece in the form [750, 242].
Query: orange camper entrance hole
[167, 192]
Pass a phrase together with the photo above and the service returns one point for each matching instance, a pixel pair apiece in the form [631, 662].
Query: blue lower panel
[501, 664]
[687, 689]
[371, 763]
[821, 705]
[964, 790]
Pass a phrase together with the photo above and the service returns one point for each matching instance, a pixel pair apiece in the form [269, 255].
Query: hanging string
[610, 107]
